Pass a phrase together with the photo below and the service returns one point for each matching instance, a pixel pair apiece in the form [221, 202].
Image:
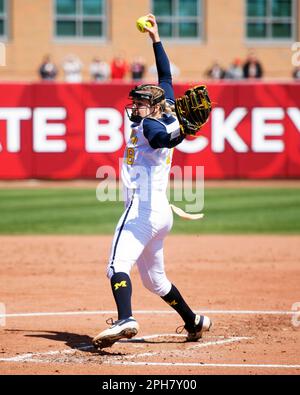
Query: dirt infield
[247, 284]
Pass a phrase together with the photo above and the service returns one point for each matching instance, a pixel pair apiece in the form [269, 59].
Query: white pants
[139, 239]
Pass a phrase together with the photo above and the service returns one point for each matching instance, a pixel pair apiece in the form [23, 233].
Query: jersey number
[130, 156]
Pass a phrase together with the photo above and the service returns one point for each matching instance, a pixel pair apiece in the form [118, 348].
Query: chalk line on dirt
[103, 312]
[30, 357]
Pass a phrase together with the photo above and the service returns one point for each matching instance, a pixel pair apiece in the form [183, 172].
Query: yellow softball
[141, 23]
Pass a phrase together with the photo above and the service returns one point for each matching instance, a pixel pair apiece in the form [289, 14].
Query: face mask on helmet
[140, 93]
[133, 114]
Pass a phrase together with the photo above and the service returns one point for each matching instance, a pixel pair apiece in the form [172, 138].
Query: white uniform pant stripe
[119, 234]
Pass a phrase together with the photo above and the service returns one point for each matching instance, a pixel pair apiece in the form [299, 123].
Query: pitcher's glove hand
[193, 109]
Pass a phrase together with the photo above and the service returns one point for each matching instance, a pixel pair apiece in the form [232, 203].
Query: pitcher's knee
[160, 287]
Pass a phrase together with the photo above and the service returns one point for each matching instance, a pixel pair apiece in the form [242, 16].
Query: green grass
[251, 210]
[77, 211]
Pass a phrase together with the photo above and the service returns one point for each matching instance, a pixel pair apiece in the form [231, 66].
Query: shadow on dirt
[75, 341]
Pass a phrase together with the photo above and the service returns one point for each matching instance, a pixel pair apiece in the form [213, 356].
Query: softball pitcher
[148, 218]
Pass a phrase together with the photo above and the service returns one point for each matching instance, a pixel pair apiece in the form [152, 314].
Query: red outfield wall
[66, 131]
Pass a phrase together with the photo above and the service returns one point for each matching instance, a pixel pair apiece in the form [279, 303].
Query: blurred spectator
[118, 68]
[216, 72]
[47, 69]
[137, 69]
[296, 73]
[72, 69]
[235, 70]
[99, 70]
[252, 68]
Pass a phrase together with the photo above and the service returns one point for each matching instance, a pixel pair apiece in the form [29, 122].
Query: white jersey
[145, 169]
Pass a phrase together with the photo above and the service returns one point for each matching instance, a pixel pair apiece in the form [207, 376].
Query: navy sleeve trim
[155, 132]
[165, 140]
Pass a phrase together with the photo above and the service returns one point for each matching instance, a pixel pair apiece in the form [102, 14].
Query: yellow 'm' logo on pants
[173, 303]
[121, 284]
